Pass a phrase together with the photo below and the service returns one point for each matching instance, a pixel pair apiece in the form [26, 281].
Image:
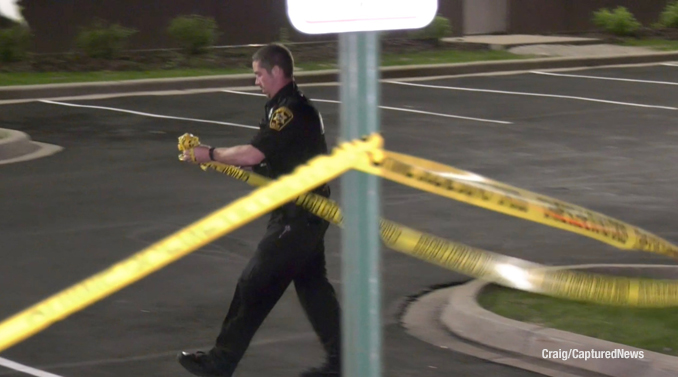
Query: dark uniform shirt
[290, 134]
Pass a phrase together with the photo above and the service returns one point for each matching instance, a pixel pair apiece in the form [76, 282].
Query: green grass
[646, 328]
[429, 57]
[656, 44]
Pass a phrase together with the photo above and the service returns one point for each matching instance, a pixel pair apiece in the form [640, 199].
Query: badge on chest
[280, 118]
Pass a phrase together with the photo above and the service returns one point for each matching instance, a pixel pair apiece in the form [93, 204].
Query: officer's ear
[277, 72]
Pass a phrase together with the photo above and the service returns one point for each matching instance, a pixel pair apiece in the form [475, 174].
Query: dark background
[56, 23]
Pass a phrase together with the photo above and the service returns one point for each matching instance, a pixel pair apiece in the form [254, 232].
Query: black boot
[206, 364]
[331, 368]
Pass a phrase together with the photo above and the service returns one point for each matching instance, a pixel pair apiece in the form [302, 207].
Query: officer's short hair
[275, 54]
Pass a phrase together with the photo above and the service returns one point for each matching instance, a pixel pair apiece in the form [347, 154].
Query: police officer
[292, 249]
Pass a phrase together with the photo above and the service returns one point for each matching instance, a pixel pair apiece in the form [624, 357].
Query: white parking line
[148, 114]
[391, 108]
[671, 64]
[114, 95]
[25, 369]
[251, 94]
[532, 94]
[605, 78]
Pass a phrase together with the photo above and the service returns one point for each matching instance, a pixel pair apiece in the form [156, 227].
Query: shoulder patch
[281, 118]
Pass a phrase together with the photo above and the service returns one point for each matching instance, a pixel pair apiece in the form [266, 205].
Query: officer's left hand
[197, 155]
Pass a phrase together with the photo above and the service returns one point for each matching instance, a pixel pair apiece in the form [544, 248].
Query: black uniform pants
[290, 251]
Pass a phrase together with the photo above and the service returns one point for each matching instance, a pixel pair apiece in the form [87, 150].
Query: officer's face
[268, 82]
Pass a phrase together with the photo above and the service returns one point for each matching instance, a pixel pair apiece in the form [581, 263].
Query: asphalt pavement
[117, 186]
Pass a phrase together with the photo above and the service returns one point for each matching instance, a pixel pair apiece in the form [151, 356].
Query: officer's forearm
[241, 155]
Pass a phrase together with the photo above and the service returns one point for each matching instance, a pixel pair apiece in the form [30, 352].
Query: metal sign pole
[358, 24]
[361, 319]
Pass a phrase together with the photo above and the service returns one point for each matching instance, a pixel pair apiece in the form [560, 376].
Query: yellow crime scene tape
[504, 270]
[476, 190]
[368, 156]
[240, 212]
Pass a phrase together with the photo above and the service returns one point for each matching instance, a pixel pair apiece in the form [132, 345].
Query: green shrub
[14, 43]
[669, 17]
[439, 28]
[619, 22]
[103, 40]
[194, 33]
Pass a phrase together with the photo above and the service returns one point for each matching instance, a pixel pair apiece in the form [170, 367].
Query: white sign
[10, 9]
[342, 16]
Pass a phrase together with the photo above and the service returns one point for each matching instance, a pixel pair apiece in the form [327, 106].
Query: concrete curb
[393, 72]
[421, 319]
[505, 42]
[468, 320]
[17, 146]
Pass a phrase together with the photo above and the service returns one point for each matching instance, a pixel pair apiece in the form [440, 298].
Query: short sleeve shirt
[290, 134]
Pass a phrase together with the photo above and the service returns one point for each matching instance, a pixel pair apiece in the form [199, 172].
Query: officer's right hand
[197, 155]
